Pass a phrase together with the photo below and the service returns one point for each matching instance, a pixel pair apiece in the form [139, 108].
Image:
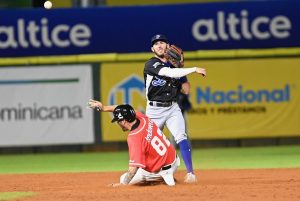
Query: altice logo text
[27, 34]
[231, 26]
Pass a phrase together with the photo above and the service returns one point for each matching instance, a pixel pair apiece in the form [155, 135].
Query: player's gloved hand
[93, 104]
[175, 56]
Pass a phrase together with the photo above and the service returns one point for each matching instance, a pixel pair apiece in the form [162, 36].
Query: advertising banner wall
[238, 99]
[235, 25]
[120, 83]
[45, 105]
[246, 98]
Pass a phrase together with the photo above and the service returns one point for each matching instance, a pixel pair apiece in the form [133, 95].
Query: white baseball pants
[145, 176]
[171, 117]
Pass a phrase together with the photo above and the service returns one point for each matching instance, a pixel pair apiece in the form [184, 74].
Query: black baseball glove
[174, 55]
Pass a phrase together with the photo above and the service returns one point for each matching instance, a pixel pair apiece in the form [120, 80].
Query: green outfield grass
[217, 158]
[14, 195]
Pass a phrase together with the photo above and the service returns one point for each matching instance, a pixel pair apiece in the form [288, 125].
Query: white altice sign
[229, 26]
[45, 105]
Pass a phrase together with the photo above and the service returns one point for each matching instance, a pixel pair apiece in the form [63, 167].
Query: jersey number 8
[158, 145]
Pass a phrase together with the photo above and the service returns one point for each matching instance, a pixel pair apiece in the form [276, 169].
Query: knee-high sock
[186, 154]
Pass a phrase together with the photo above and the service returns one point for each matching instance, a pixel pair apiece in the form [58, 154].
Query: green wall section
[221, 158]
[116, 57]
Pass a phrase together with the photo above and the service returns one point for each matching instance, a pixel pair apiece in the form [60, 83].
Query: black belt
[161, 104]
[166, 167]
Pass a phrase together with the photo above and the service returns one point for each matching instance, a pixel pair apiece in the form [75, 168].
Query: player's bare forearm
[100, 107]
[130, 174]
[108, 108]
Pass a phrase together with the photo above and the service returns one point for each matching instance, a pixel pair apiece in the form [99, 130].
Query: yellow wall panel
[151, 2]
[61, 4]
[241, 98]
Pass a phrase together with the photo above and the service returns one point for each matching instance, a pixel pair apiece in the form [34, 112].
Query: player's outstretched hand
[201, 71]
[93, 104]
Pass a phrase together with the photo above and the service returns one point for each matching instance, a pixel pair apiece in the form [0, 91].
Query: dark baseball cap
[158, 37]
[124, 112]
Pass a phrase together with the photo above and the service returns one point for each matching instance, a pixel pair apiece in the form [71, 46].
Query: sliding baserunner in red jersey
[151, 155]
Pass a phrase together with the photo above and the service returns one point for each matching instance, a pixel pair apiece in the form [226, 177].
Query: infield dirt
[213, 185]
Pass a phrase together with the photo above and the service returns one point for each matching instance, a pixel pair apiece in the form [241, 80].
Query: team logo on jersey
[126, 90]
[158, 82]
[157, 64]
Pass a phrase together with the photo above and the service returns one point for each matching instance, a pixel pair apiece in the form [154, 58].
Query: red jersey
[148, 146]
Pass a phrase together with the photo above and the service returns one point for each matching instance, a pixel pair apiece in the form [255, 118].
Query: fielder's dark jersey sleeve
[153, 66]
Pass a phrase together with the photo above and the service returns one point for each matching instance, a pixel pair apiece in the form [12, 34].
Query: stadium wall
[250, 97]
